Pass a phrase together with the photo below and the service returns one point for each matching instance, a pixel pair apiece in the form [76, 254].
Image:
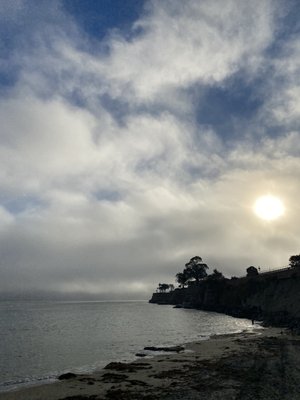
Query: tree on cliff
[182, 279]
[163, 287]
[294, 261]
[252, 271]
[216, 275]
[196, 269]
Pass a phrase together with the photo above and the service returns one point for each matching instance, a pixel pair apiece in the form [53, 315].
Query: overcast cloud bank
[111, 174]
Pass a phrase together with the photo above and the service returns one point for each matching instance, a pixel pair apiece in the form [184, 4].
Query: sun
[268, 207]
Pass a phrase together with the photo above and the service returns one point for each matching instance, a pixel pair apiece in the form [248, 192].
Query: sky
[137, 134]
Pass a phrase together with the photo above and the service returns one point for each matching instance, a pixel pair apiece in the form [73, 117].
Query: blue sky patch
[22, 204]
[219, 107]
[108, 195]
[97, 17]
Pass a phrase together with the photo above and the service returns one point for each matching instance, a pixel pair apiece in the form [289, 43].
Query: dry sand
[264, 364]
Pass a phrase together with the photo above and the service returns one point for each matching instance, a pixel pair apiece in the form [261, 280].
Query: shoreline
[264, 362]
[140, 353]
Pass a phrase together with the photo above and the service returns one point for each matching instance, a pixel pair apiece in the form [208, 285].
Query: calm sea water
[40, 340]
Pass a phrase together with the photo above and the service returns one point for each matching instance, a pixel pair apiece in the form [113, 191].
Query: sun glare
[269, 207]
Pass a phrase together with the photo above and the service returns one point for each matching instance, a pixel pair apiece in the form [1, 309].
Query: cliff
[273, 297]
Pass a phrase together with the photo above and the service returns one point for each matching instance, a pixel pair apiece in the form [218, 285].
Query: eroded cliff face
[273, 297]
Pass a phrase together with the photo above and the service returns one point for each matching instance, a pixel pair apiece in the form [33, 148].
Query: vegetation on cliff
[194, 271]
[272, 296]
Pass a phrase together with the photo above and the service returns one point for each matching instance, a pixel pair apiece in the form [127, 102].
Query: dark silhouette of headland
[273, 297]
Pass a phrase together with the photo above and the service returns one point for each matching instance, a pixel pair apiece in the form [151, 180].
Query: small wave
[12, 385]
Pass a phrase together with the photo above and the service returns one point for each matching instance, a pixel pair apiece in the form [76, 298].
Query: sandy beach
[264, 364]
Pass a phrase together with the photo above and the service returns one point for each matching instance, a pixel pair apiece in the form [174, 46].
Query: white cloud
[128, 202]
[6, 219]
[189, 42]
[42, 143]
[181, 44]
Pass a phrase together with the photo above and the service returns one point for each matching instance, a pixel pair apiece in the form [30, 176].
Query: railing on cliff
[274, 271]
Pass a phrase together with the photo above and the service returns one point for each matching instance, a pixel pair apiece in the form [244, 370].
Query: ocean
[40, 340]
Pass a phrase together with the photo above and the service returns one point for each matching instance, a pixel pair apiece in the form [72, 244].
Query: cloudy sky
[137, 134]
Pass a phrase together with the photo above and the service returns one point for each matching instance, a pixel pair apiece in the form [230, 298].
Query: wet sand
[264, 364]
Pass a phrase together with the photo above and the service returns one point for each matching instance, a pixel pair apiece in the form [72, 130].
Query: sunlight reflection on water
[43, 339]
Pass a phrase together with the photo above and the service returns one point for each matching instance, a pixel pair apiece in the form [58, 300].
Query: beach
[263, 364]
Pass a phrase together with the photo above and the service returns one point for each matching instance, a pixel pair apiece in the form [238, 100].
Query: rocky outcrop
[177, 296]
[273, 297]
[172, 349]
[66, 376]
